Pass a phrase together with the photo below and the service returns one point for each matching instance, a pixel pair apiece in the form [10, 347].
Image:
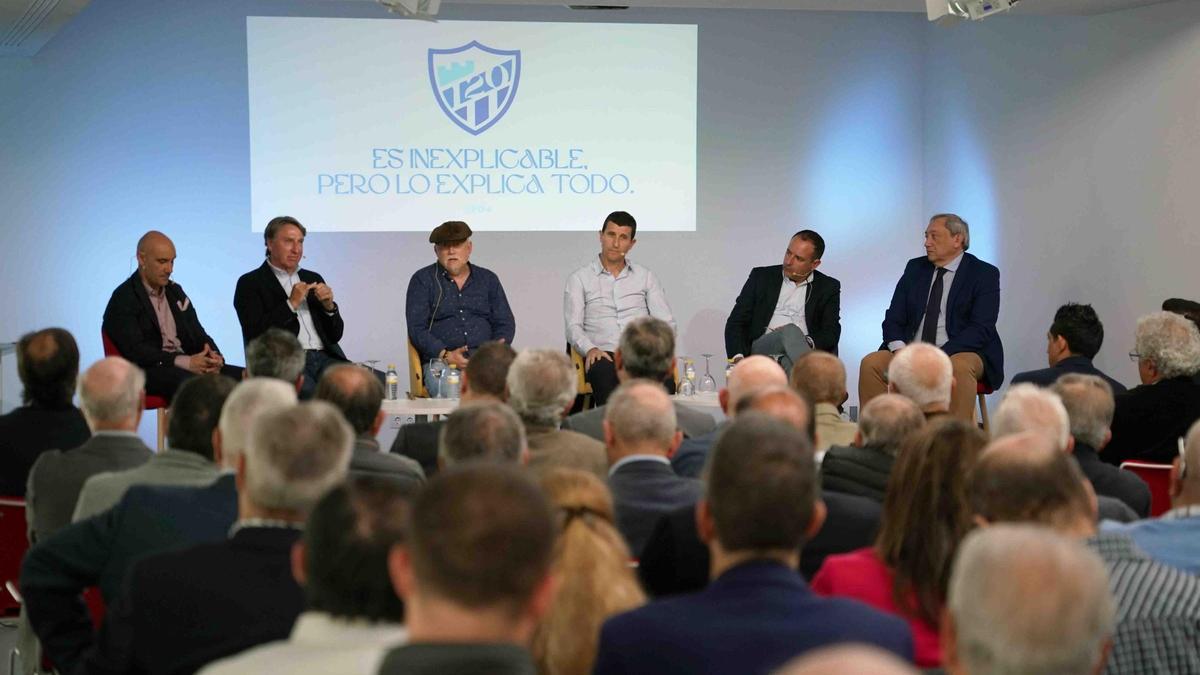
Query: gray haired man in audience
[278, 354]
[541, 389]
[924, 374]
[1023, 599]
[863, 468]
[489, 432]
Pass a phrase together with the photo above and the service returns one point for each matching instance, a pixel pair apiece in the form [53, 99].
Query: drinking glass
[686, 386]
[371, 363]
[707, 384]
[434, 385]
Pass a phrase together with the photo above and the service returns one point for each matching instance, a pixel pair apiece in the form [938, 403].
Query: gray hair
[647, 348]
[276, 353]
[956, 225]
[1089, 402]
[1170, 341]
[110, 390]
[923, 373]
[541, 384]
[296, 454]
[639, 411]
[887, 419]
[1026, 600]
[487, 431]
[249, 399]
[1028, 407]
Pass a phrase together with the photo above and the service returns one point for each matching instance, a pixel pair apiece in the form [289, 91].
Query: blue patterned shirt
[442, 316]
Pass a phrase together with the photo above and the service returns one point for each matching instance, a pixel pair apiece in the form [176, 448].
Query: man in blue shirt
[454, 306]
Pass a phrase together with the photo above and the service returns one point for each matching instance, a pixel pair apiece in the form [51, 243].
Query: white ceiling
[1044, 7]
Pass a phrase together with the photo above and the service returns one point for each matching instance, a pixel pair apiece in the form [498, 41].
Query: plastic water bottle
[392, 390]
[453, 382]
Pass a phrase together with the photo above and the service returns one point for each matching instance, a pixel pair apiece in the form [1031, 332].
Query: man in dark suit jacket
[1072, 342]
[47, 363]
[760, 503]
[957, 314]
[281, 295]
[153, 323]
[788, 297]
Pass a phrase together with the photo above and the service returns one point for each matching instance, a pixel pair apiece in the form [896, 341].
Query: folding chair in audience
[1158, 477]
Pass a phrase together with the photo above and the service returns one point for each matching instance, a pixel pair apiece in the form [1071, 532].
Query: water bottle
[392, 390]
[453, 382]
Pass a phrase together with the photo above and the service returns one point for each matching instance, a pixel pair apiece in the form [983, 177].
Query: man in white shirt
[605, 295]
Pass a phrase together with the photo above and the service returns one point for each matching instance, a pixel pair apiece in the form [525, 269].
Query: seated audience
[489, 432]
[640, 435]
[760, 503]
[591, 562]
[351, 616]
[483, 381]
[47, 365]
[863, 468]
[1073, 341]
[924, 374]
[278, 354]
[821, 378]
[181, 610]
[1025, 479]
[112, 393]
[1150, 418]
[925, 517]
[541, 389]
[1025, 599]
[474, 573]
[358, 394]
[847, 660]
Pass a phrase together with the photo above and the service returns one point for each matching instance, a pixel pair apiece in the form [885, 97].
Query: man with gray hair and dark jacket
[863, 468]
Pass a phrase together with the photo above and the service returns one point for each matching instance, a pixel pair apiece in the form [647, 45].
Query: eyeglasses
[1182, 458]
[1135, 357]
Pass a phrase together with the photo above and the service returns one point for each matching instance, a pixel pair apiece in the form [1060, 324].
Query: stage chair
[416, 374]
[1158, 477]
[584, 389]
[152, 402]
[981, 392]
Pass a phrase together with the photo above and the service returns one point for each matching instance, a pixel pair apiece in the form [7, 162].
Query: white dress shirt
[597, 306]
[790, 306]
[308, 330]
[947, 279]
[320, 644]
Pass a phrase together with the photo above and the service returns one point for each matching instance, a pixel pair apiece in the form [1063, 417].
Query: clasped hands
[207, 361]
[323, 293]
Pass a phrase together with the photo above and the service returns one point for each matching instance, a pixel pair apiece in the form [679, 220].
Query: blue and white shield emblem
[474, 84]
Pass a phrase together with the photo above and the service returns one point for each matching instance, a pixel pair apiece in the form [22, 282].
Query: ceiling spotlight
[950, 12]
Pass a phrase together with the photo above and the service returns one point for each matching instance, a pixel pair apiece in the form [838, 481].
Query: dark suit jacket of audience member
[1150, 418]
[57, 477]
[692, 453]
[645, 490]
[98, 551]
[261, 303]
[367, 460]
[676, 561]
[27, 432]
[690, 421]
[1109, 481]
[972, 306]
[1081, 365]
[751, 619]
[132, 325]
[419, 441]
[857, 471]
[755, 305]
[181, 610]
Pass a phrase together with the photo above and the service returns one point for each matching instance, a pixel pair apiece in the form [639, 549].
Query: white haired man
[541, 389]
[925, 375]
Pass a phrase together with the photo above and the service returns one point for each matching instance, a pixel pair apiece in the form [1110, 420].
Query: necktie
[933, 309]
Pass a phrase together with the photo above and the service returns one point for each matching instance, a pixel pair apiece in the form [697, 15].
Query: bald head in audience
[749, 375]
[48, 365]
[1027, 407]
[923, 373]
[112, 393]
[780, 402]
[886, 420]
[847, 659]
[486, 431]
[639, 419]
[357, 393]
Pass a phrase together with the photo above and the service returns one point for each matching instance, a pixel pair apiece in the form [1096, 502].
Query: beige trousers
[967, 367]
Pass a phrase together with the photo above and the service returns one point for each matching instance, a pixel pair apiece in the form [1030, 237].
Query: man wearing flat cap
[454, 306]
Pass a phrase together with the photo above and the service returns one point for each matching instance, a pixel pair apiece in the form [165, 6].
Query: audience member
[847, 660]
[863, 468]
[47, 364]
[925, 517]
[358, 394]
[1073, 341]
[760, 503]
[1151, 417]
[541, 390]
[1188, 309]
[475, 573]
[821, 378]
[924, 374]
[646, 351]
[181, 610]
[1024, 599]
[278, 354]
[112, 394]
[1025, 479]
[640, 435]
[351, 614]
[591, 563]
[489, 432]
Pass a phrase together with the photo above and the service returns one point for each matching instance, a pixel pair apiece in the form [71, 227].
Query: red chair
[982, 391]
[152, 402]
[13, 543]
[1158, 477]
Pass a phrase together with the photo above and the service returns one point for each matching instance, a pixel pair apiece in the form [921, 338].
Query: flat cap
[450, 231]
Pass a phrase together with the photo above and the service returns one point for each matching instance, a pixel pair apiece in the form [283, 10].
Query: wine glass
[371, 364]
[434, 384]
[707, 384]
[686, 387]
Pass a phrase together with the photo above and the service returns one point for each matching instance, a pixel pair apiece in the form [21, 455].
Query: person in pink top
[925, 517]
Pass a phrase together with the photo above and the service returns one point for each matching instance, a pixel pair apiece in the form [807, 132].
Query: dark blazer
[857, 471]
[261, 304]
[1150, 418]
[751, 619]
[132, 325]
[367, 460]
[457, 658]
[692, 453]
[419, 441]
[179, 611]
[57, 477]
[755, 305]
[676, 561]
[643, 491]
[27, 432]
[690, 421]
[1109, 481]
[98, 551]
[972, 307]
[1072, 364]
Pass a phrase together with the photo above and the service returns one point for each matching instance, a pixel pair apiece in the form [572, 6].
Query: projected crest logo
[474, 84]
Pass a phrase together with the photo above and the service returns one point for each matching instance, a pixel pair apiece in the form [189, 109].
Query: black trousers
[603, 378]
[165, 380]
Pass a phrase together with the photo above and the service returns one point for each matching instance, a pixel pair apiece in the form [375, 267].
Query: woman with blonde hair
[591, 562]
